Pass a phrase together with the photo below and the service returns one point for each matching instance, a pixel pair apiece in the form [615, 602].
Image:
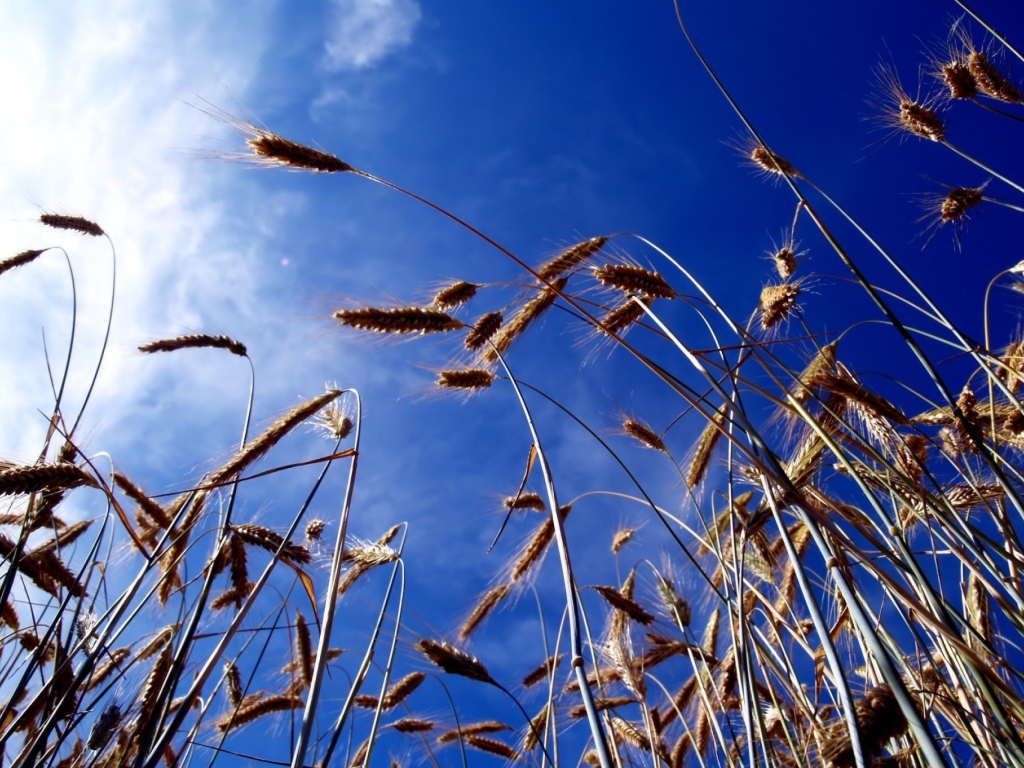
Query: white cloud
[365, 31]
[95, 126]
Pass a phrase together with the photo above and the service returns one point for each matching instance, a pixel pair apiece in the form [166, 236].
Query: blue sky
[542, 124]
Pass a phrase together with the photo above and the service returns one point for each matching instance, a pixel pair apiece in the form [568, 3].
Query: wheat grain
[536, 547]
[402, 690]
[399, 320]
[526, 501]
[486, 726]
[622, 538]
[482, 331]
[271, 149]
[771, 163]
[494, 747]
[264, 538]
[25, 257]
[624, 316]
[777, 302]
[454, 295]
[570, 258]
[600, 705]
[644, 434]
[466, 378]
[412, 725]
[633, 279]
[73, 223]
[19, 480]
[257, 709]
[196, 341]
[304, 649]
[879, 719]
[990, 80]
[454, 661]
[483, 609]
[627, 606]
[706, 443]
[525, 317]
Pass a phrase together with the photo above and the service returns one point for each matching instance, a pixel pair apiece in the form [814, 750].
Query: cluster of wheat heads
[142, 629]
[853, 589]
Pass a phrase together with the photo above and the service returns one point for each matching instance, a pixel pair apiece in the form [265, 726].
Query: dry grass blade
[20, 480]
[454, 661]
[399, 320]
[72, 223]
[196, 341]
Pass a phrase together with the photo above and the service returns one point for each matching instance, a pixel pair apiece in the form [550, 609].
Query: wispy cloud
[365, 31]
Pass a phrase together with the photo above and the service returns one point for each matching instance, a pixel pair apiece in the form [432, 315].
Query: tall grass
[842, 584]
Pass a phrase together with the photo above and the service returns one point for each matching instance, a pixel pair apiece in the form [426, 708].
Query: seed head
[399, 320]
[20, 260]
[990, 80]
[633, 279]
[73, 223]
[194, 341]
[454, 295]
[904, 113]
[570, 258]
[771, 163]
[334, 422]
[960, 80]
[777, 301]
[644, 434]
[271, 149]
[454, 661]
[468, 378]
[483, 330]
